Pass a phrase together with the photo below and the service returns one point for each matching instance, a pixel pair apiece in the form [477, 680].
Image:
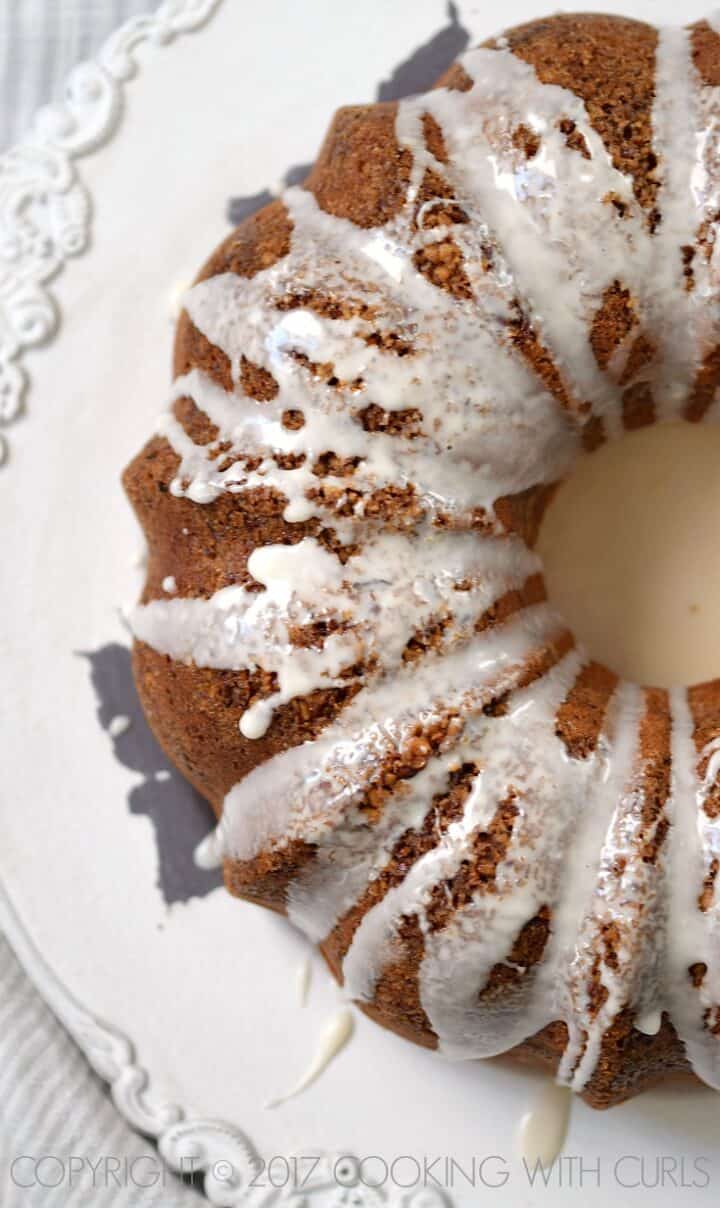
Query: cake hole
[631, 547]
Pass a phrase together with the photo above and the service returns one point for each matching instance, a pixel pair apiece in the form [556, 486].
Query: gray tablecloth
[61, 1140]
[40, 42]
[62, 1143]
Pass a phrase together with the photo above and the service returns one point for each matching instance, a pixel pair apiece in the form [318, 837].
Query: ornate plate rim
[40, 175]
[232, 1170]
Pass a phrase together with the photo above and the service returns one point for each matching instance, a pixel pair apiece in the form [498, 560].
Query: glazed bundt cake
[344, 641]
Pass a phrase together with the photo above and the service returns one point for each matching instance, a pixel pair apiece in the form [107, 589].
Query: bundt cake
[344, 641]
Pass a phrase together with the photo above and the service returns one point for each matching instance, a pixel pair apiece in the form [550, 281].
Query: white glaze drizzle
[487, 427]
[119, 725]
[559, 267]
[648, 1022]
[543, 1129]
[378, 611]
[303, 980]
[464, 461]
[323, 780]
[209, 854]
[673, 310]
[692, 934]
[619, 901]
[335, 1035]
[706, 189]
[471, 951]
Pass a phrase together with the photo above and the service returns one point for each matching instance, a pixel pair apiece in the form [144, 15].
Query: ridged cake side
[343, 640]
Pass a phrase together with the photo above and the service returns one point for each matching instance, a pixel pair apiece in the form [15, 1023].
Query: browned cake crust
[361, 174]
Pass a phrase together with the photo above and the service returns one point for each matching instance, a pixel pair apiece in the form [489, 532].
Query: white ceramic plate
[100, 897]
